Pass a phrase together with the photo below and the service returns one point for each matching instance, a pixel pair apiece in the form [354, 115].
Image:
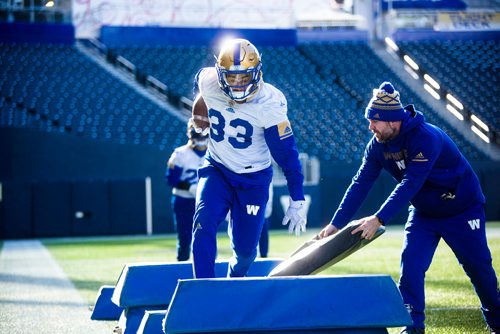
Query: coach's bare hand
[369, 226]
[328, 230]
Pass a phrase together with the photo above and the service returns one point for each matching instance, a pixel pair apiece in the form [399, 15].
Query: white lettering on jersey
[253, 209]
[474, 224]
[401, 164]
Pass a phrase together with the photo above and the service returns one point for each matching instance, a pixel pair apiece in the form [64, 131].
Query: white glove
[296, 215]
[203, 132]
[192, 189]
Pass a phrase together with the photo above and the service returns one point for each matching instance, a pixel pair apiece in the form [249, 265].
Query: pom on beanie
[385, 104]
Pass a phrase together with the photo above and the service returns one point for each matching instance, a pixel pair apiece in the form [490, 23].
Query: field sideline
[452, 306]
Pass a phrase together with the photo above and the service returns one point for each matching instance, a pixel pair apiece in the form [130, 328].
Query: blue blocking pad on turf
[286, 304]
[153, 284]
[148, 284]
[152, 322]
[142, 287]
[104, 308]
[131, 318]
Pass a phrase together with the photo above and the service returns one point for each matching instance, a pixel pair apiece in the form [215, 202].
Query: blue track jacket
[431, 173]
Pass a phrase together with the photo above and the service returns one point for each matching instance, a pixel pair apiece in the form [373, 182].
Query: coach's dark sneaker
[412, 330]
[494, 330]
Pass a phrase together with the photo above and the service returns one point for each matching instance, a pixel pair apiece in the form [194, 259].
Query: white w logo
[253, 209]
[474, 223]
[401, 164]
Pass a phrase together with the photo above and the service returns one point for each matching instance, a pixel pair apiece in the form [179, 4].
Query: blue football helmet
[239, 69]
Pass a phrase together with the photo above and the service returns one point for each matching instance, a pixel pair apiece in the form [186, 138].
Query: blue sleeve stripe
[286, 136]
[284, 152]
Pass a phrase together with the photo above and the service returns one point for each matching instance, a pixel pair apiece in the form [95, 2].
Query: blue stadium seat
[327, 85]
[66, 92]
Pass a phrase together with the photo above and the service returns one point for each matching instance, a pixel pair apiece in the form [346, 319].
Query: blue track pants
[183, 222]
[465, 234]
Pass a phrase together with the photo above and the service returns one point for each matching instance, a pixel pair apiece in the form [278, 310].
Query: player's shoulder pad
[206, 80]
[184, 149]
[180, 153]
[273, 99]
[205, 73]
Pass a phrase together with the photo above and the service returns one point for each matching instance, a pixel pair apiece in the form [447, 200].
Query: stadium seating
[469, 69]
[322, 82]
[56, 88]
[358, 71]
[174, 66]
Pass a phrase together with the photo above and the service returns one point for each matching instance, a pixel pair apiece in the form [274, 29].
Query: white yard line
[37, 296]
[455, 308]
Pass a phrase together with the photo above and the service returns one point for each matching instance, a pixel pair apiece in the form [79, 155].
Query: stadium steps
[476, 83]
[126, 79]
[359, 69]
[438, 106]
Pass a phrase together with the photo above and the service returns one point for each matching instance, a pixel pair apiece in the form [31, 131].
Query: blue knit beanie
[385, 105]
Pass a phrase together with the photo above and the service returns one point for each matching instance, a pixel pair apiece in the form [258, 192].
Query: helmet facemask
[239, 70]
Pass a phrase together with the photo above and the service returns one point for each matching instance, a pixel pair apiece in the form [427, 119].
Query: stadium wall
[124, 36]
[427, 34]
[57, 185]
[37, 33]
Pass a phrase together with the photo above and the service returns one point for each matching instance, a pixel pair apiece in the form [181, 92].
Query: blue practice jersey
[183, 168]
[431, 173]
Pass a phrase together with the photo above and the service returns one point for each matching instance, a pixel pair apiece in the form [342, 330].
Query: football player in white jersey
[247, 121]
[182, 176]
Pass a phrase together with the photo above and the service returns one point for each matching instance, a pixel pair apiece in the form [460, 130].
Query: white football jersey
[237, 130]
[185, 158]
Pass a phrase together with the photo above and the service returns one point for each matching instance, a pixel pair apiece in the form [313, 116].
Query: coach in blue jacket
[445, 196]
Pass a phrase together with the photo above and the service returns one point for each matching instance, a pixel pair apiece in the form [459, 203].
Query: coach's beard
[386, 136]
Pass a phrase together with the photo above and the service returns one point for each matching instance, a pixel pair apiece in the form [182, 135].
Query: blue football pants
[264, 239]
[465, 234]
[247, 203]
[183, 223]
